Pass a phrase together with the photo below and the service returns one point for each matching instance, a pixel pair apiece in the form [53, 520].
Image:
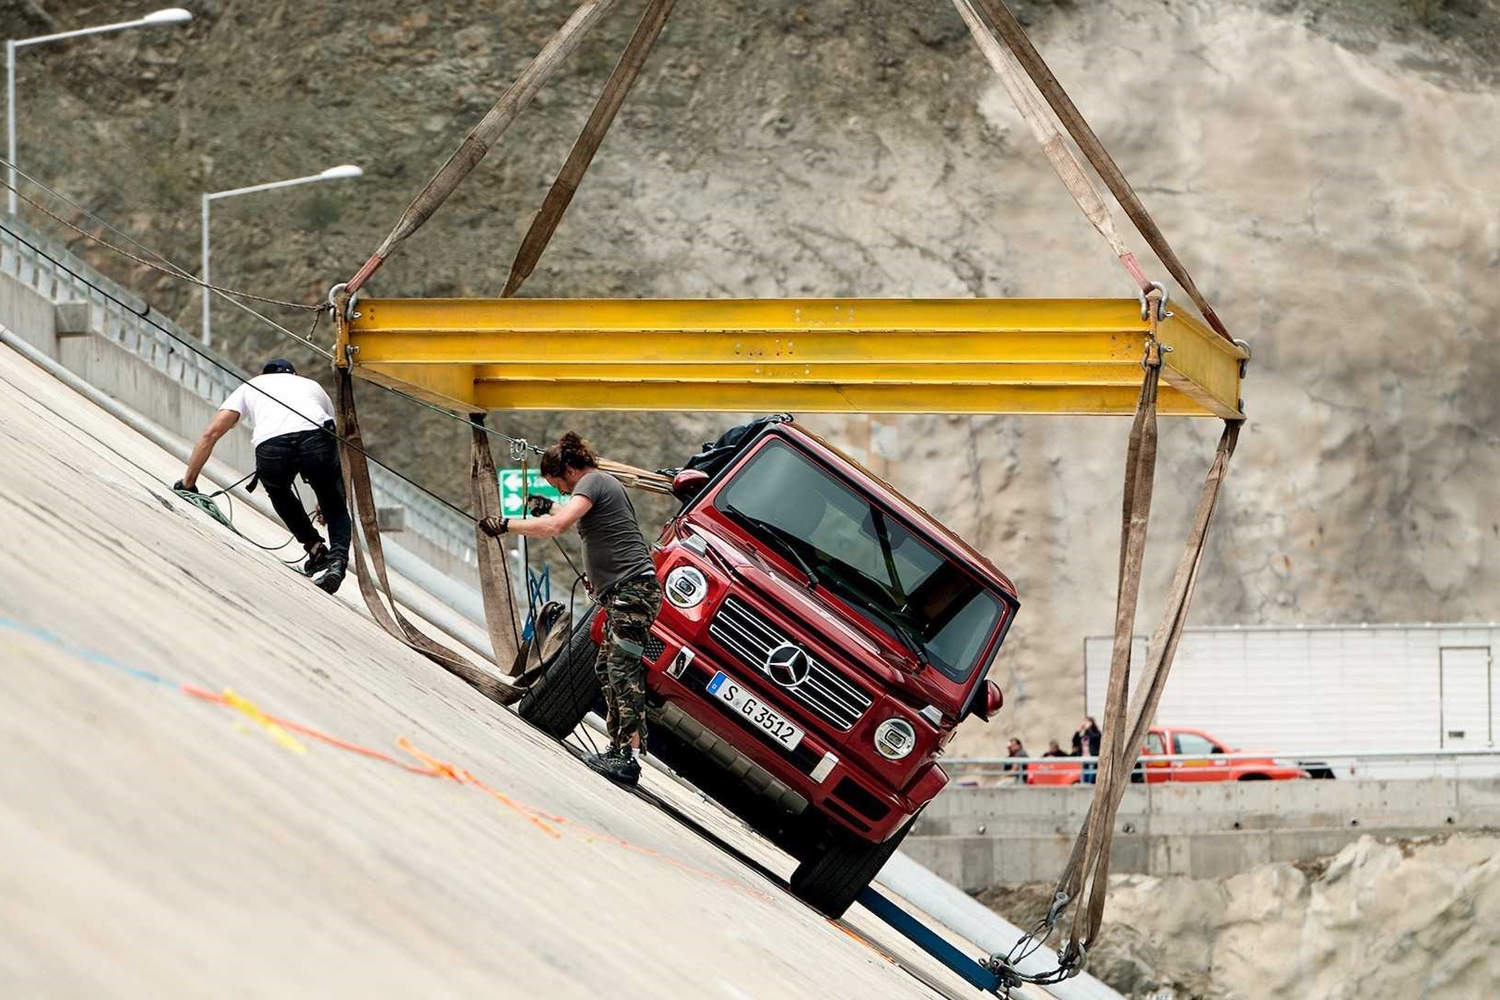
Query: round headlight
[895, 738]
[685, 587]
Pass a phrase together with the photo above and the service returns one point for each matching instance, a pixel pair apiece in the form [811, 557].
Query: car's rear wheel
[831, 880]
[1255, 777]
[562, 696]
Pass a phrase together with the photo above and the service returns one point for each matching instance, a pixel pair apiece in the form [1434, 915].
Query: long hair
[570, 452]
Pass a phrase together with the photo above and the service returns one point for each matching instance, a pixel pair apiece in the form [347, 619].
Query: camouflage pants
[630, 608]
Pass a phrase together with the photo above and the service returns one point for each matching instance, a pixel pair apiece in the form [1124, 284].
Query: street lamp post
[171, 15]
[341, 172]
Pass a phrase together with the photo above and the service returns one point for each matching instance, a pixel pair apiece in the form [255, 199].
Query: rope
[176, 271]
[305, 340]
[205, 502]
[171, 271]
[515, 443]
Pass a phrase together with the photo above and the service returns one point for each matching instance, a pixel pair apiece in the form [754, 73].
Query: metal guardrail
[1321, 763]
[124, 325]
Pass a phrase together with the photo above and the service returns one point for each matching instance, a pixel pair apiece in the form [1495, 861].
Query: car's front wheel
[831, 880]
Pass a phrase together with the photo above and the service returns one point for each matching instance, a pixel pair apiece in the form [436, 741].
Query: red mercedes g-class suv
[820, 639]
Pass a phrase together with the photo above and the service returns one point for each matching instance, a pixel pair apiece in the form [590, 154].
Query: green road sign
[513, 497]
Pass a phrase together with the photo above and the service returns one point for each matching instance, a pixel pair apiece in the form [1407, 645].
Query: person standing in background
[1015, 749]
[1086, 743]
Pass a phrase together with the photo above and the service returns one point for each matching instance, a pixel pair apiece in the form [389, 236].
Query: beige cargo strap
[484, 135]
[494, 568]
[1087, 870]
[1047, 131]
[560, 195]
[1072, 119]
[367, 537]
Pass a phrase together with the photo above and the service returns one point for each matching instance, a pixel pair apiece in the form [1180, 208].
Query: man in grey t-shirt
[617, 563]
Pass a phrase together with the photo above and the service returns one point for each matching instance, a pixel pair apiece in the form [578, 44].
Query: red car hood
[845, 631]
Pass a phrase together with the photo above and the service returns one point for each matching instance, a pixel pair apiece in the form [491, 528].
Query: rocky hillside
[1326, 169]
[1379, 921]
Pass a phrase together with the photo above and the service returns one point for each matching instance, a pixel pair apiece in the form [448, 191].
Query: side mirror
[688, 483]
[994, 700]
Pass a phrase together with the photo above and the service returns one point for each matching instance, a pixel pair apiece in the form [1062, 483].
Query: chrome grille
[749, 637]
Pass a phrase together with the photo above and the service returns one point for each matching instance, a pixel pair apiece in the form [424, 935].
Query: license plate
[754, 711]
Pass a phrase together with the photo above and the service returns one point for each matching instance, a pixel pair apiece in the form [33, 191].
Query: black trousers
[314, 456]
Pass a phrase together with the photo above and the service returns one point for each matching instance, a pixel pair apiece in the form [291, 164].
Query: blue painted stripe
[87, 655]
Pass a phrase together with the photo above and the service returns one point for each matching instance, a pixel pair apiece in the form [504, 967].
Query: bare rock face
[1335, 197]
[1337, 206]
[1383, 921]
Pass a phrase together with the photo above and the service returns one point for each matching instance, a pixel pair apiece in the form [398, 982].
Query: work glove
[537, 505]
[494, 526]
[179, 487]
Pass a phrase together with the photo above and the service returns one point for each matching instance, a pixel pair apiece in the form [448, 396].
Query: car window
[1154, 743]
[1192, 743]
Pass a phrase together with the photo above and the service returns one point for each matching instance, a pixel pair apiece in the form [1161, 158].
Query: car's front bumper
[817, 769]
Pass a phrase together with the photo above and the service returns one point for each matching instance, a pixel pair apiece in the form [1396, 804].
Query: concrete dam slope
[219, 781]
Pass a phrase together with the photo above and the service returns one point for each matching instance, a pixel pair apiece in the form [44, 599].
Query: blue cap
[278, 366]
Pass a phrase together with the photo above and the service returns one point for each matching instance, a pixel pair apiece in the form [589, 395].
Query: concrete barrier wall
[117, 371]
[982, 837]
[108, 345]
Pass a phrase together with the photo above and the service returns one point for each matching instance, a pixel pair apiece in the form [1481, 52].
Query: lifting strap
[484, 135]
[1015, 38]
[1047, 131]
[1091, 850]
[1087, 870]
[636, 479]
[494, 570]
[362, 502]
[544, 225]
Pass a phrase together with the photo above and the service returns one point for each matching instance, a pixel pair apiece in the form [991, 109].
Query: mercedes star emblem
[788, 665]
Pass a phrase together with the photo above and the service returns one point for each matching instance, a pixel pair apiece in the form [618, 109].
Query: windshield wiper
[908, 635]
[904, 632]
[779, 538]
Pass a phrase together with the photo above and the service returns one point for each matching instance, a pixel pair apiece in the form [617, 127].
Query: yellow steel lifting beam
[830, 355]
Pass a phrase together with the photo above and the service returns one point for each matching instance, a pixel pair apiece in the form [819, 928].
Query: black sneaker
[616, 765]
[317, 559]
[593, 760]
[332, 575]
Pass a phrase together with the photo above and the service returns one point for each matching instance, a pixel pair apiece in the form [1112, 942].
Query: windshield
[901, 583]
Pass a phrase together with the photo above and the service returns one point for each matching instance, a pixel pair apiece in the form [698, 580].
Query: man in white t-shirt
[292, 420]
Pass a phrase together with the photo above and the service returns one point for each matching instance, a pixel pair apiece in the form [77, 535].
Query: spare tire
[562, 696]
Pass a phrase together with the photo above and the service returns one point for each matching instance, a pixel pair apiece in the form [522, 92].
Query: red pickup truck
[820, 639]
[1174, 740]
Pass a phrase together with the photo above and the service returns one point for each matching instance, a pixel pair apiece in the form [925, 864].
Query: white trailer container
[1350, 689]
